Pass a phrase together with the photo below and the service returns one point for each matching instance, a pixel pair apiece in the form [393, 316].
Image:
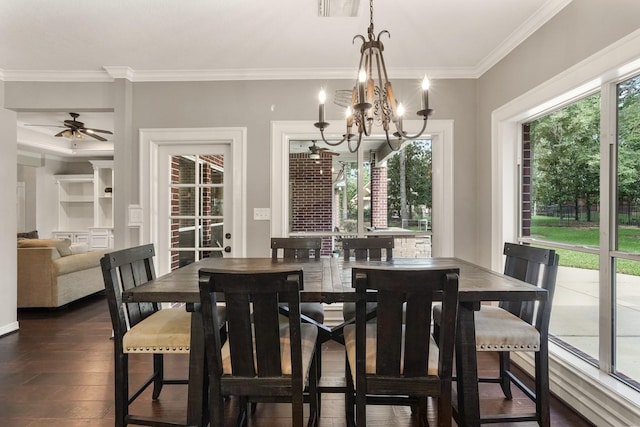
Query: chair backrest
[123, 270]
[536, 266]
[296, 247]
[368, 248]
[418, 289]
[254, 345]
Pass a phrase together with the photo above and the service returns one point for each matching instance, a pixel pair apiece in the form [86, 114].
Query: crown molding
[120, 72]
[55, 76]
[524, 31]
[110, 73]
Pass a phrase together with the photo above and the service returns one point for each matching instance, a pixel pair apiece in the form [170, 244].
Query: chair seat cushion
[349, 309]
[165, 331]
[499, 330]
[314, 310]
[309, 335]
[350, 347]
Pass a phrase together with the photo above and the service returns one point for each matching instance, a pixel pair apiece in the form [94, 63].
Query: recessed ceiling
[41, 138]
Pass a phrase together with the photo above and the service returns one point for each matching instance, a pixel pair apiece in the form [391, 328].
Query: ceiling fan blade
[92, 135]
[98, 130]
[60, 133]
[50, 126]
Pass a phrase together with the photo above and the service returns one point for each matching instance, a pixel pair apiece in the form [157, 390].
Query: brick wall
[311, 195]
[527, 157]
[378, 196]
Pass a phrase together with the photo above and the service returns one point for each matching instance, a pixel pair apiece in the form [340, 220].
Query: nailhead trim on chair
[157, 350]
[495, 347]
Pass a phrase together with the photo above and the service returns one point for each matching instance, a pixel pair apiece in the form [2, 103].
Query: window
[393, 195]
[563, 206]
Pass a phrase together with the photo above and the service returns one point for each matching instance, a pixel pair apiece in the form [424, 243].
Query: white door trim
[441, 131]
[150, 142]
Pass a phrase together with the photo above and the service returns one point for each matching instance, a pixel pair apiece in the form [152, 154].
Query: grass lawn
[549, 228]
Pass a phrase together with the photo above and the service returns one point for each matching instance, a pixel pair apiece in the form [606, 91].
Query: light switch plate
[261, 214]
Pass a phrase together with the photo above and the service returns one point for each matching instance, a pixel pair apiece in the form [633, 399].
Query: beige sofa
[50, 274]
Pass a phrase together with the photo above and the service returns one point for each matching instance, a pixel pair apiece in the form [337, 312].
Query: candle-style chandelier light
[372, 98]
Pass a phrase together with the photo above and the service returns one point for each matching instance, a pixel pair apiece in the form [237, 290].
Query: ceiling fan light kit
[372, 98]
[75, 129]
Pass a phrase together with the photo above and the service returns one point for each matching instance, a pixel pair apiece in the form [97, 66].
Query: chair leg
[542, 387]
[445, 410]
[505, 366]
[349, 401]
[361, 408]
[314, 396]
[121, 389]
[158, 375]
[216, 408]
[318, 369]
[243, 412]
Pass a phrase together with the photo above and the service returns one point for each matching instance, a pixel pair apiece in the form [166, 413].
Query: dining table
[328, 280]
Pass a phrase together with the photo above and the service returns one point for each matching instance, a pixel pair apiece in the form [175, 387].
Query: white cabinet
[103, 192]
[85, 206]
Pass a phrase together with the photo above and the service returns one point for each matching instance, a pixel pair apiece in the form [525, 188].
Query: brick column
[379, 196]
[527, 157]
[311, 190]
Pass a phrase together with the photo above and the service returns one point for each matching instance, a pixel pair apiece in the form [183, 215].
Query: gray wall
[581, 29]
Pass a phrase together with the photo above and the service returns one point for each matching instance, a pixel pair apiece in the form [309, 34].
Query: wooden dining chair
[391, 362]
[362, 249]
[300, 248]
[262, 360]
[140, 328]
[520, 326]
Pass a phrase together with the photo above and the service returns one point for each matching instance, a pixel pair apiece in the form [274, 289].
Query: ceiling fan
[74, 129]
[314, 151]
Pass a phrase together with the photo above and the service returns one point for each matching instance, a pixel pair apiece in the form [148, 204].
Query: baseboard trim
[9, 328]
[598, 397]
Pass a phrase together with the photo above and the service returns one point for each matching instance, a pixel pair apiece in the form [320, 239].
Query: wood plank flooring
[57, 371]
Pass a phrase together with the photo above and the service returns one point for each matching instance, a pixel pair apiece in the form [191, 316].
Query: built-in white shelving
[85, 206]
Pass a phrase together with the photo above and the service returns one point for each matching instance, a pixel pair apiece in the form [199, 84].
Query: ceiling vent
[338, 8]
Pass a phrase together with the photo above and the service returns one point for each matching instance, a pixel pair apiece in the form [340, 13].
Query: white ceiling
[147, 40]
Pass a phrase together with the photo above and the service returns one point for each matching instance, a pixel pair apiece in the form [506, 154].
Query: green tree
[629, 144]
[418, 177]
[566, 156]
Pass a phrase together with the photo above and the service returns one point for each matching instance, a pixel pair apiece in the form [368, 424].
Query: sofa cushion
[62, 245]
[78, 262]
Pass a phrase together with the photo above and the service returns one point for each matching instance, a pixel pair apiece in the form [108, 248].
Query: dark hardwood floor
[57, 371]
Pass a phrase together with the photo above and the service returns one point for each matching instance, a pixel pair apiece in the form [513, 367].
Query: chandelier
[372, 98]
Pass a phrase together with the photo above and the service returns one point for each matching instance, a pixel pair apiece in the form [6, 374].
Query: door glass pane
[627, 280]
[211, 233]
[196, 212]
[560, 203]
[211, 199]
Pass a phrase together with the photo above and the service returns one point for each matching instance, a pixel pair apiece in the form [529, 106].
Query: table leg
[467, 366]
[197, 392]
